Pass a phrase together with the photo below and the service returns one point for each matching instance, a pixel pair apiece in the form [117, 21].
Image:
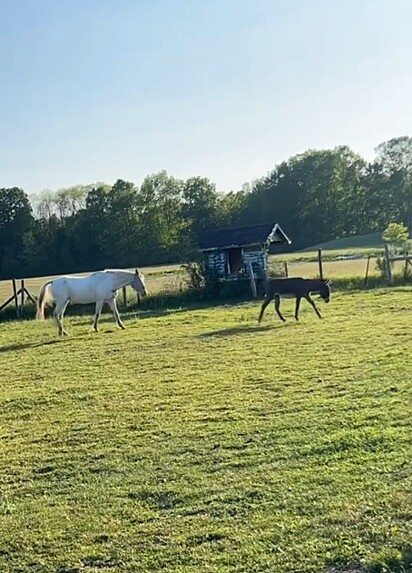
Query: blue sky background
[95, 90]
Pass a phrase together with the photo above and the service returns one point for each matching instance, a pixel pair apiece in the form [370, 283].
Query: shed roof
[242, 236]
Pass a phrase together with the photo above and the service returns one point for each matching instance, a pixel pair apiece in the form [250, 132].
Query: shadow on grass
[25, 345]
[393, 564]
[129, 315]
[244, 329]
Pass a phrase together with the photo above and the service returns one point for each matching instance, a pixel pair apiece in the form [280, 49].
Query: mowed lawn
[199, 441]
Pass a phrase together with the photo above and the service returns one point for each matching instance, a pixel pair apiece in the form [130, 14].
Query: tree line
[315, 196]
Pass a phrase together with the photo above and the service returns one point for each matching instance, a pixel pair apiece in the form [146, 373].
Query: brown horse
[294, 287]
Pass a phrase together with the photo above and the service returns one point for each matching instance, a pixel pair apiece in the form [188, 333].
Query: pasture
[171, 278]
[199, 441]
[160, 278]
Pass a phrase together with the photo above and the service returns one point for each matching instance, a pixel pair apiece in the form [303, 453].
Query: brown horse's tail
[44, 296]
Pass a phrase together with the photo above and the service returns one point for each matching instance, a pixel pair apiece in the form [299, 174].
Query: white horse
[99, 287]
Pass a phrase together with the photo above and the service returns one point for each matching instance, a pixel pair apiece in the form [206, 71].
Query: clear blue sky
[95, 90]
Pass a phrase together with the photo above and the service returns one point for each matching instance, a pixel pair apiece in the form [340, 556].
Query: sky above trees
[96, 90]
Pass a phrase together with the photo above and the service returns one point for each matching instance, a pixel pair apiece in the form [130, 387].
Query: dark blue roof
[242, 236]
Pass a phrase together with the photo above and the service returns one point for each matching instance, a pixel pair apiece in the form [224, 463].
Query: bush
[395, 233]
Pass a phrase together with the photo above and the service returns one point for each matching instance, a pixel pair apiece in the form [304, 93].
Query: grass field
[157, 277]
[198, 441]
[171, 277]
[301, 263]
[355, 242]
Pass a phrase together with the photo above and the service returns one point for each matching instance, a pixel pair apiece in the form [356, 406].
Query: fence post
[252, 279]
[367, 269]
[16, 301]
[405, 272]
[320, 264]
[388, 264]
[286, 269]
[22, 293]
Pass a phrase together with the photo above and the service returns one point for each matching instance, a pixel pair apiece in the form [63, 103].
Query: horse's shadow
[243, 329]
[129, 316]
[26, 345]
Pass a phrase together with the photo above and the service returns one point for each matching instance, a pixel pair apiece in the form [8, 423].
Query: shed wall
[217, 265]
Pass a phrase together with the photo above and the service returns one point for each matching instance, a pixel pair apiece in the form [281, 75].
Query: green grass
[167, 278]
[157, 278]
[198, 441]
[354, 243]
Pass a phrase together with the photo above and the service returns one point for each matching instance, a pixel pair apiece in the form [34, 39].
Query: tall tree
[395, 159]
[199, 203]
[16, 218]
[162, 224]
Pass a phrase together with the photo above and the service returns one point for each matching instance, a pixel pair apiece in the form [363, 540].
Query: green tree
[162, 224]
[122, 245]
[16, 218]
[92, 230]
[395, 158]
[199, 203]
[231, 208]
[395, 233]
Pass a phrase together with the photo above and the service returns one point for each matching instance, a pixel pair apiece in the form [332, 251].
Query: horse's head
[324, 290]
[138, 283]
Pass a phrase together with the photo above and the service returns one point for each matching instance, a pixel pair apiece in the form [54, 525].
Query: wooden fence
[389, 259]
[21, 295]
[320, 264]
[19, 298]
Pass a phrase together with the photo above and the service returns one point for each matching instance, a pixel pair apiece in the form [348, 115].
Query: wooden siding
[217, 264]
[258, 260]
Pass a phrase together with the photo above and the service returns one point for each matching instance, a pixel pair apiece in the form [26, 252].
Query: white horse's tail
[44, 297]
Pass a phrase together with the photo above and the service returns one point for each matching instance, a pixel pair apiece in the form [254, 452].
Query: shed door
[234, 257]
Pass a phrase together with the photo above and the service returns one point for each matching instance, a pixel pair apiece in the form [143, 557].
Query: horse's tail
[44, 296]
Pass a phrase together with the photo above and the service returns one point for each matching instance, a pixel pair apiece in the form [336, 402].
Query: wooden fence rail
[23, 293]
[389, 259]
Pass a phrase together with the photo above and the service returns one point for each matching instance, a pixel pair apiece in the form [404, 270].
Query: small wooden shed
[230, 253]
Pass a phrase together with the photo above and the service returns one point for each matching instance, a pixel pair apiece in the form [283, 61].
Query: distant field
[355, 268]
[301, 263]
[351, 268]
[370, 241]
[199, 441]
[157, 278]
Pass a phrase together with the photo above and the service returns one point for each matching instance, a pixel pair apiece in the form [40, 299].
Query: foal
[294, 287]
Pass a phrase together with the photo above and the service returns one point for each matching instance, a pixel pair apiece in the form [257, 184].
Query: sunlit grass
[199, 441]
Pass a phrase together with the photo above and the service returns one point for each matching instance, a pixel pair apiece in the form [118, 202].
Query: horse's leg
[58, 315]
[298, 299]
[310, 301]
[113, 306]
[64, 332]
[277, 307]
[98, 310]
[264, 305]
